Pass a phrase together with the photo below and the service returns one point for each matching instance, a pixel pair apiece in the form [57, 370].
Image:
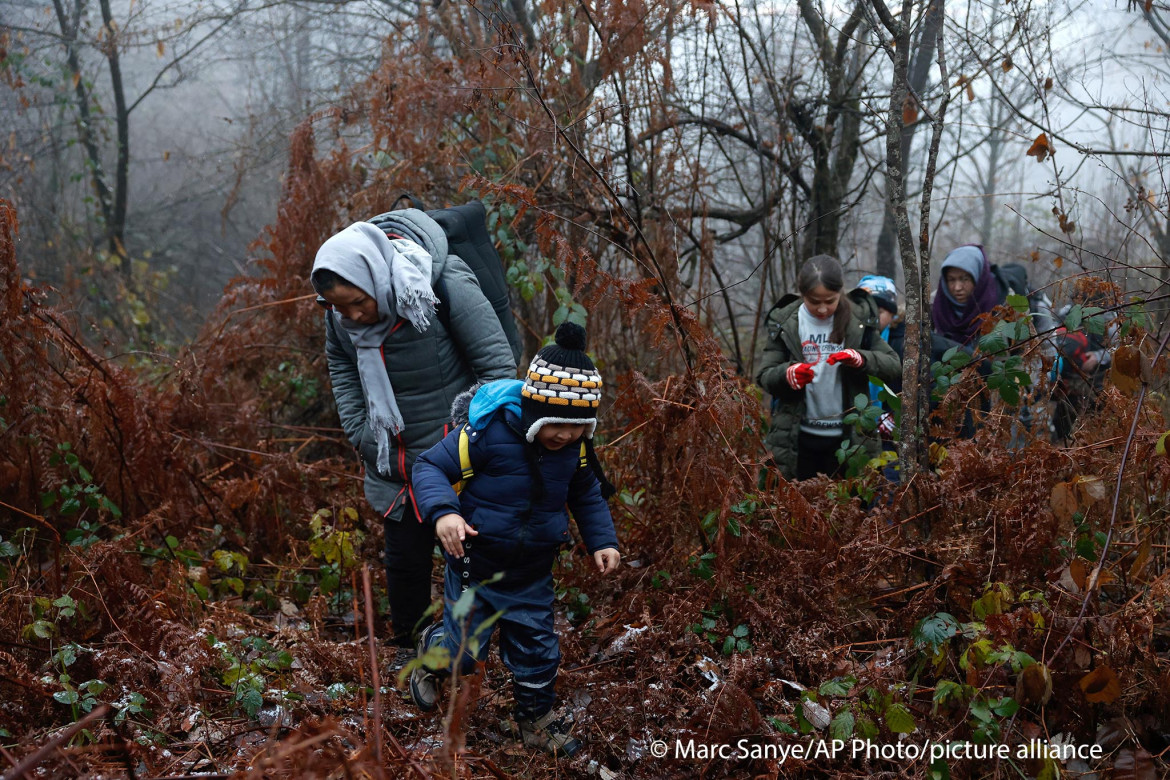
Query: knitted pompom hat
[562, 385]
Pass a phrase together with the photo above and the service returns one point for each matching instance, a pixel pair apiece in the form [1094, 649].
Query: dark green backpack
[468, 239]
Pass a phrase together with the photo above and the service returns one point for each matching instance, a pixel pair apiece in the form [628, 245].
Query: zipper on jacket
[525, 531]
[394, 503]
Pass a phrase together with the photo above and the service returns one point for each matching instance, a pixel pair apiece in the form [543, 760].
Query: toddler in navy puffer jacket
[529, 448]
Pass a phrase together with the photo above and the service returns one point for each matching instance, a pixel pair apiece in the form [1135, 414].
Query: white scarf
[397, 274]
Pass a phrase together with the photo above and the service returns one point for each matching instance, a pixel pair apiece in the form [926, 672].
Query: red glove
[886, 425]
[799, 375]
[849, 357]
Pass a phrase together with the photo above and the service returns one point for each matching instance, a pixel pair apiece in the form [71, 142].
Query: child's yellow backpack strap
[465, 454]
[465, 469]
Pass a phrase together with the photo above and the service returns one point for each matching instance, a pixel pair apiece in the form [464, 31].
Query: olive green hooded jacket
[783, 349]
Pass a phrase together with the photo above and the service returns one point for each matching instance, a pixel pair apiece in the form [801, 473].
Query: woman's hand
[607, 560]
[452, 529]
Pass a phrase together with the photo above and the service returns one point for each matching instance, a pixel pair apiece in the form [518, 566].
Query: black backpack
[1012, 279]
[468, 239]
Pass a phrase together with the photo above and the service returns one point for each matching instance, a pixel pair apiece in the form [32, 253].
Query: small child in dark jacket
[530, 453]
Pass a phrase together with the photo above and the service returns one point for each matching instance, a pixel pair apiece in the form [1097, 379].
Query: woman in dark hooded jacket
[967, 289]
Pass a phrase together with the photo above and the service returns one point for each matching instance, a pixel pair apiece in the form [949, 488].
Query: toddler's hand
[607, 560]
[452, 529]
[799, 375]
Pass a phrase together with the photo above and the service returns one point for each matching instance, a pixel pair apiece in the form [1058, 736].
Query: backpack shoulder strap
[771, 322]
[466, 470]
[414, 202]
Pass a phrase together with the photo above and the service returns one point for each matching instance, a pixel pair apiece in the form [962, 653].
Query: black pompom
[570, 335]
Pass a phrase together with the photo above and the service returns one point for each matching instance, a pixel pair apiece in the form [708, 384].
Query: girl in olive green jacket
[819, 358]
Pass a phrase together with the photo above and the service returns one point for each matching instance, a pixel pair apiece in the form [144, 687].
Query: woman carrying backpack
[967, 289]
[820, 356]
[396, 364]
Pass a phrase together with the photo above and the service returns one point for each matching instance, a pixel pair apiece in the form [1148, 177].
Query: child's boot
[424, 683]
[549, 733]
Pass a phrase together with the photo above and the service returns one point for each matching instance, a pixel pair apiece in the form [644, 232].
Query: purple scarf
[956, 322]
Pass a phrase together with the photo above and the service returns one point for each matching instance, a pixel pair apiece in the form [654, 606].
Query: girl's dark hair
[825, 271]
[325, 280]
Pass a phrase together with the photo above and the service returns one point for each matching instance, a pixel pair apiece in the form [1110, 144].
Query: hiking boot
[549, 733]
[424, 683]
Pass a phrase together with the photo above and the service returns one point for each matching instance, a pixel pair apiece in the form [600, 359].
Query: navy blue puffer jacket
[517, 535]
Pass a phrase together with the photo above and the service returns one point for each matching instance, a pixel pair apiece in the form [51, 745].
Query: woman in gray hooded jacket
[396, 365]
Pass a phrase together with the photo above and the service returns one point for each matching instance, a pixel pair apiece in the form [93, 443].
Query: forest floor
[749, 663]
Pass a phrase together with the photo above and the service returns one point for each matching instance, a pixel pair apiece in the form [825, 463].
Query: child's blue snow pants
[528, 641]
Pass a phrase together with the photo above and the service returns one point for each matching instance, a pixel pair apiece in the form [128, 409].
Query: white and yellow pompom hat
[562, 385]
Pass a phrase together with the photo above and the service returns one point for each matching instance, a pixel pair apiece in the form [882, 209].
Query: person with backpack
[1083, 360]
[967, 289]
[407, 329]
[524, 454]
[893, 329]
[885, 295]
[822, 348]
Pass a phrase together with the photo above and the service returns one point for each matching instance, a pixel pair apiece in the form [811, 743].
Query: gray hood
[421, 229]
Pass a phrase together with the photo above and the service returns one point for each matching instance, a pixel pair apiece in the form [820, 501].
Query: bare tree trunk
[835, 140]
[919, 392]
[303, 63]
[919, 74]
[914, 415]
[989, 179]
[116, 227]
[1161, 236]
[85, 120]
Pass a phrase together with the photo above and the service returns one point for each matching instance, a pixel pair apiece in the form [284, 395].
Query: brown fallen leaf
[1101, 686]
[1089, 489]
[1034, 685]
[1126, 370]
[1134, 765]
[1063, 501]
[1140, 561]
